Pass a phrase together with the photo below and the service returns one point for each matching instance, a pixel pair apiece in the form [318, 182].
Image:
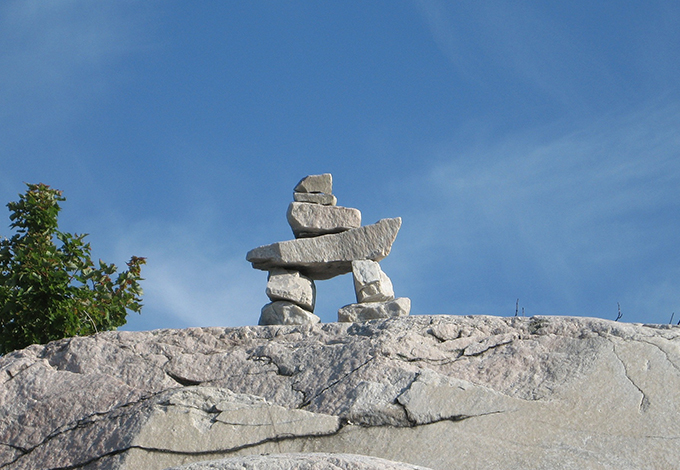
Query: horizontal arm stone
[330, 255]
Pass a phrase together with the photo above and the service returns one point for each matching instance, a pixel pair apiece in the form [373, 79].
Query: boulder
[441, 392]
[299, 461]
[330, 255]
[288, 285]
[311, 220]
[315, 184]
[371, 284]
[372, 310]
[282, 312]
[316, 198]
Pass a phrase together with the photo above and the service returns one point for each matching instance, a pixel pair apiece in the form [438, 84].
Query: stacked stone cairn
[329, 241]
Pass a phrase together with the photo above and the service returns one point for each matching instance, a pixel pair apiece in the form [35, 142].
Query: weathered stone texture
[292, 286]
[283, 312]
[371, 284]
[373, 310]
[316, 198]
[327, 256]
[314, 461]
[312, 220]
[315, 184]
[437, 391]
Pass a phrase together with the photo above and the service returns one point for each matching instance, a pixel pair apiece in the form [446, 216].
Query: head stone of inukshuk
[329, 241]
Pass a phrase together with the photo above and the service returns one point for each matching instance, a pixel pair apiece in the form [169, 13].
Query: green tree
[49, 286]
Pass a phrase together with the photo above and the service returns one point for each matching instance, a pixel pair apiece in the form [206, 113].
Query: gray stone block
[316, 198]
[315, 184]
[288, 285]
[282, 312]
[373, 310]
[330, 255]
[311, 220]
[371, 284]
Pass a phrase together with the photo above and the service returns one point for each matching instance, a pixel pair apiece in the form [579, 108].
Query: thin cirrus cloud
[195, 291]
[60, 55]
[575, 221]
[191, 279]
[578, 56]
[485, 42]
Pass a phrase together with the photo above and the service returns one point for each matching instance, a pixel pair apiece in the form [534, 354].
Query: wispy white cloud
[57, 55]
[574, 55]
[191, 279]
[500, 41]
[566, 217]
[203, 292]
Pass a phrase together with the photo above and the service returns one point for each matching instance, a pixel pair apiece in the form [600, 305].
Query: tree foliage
[49, 286]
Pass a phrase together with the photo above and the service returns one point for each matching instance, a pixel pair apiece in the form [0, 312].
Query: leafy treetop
[49, 286]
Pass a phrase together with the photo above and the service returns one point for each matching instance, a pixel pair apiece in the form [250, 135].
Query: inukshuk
[329, 241]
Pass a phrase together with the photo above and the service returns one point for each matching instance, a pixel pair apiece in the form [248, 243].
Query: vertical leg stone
[371, 284]
[283, 284]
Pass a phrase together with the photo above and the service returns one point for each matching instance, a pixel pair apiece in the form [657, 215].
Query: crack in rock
[282, 369]
[302, 392]
[433, 397]
[182, 381]
[333, 384]
[644, 401]
[374, 380]
[495, 341]
[83, 423]
[23, 450]
[284, 437]
[664, 352]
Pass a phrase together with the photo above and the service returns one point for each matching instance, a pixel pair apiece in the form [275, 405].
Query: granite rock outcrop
[312, 461]
[441, 392]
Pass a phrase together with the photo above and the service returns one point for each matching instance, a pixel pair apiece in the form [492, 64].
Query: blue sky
[532, 148]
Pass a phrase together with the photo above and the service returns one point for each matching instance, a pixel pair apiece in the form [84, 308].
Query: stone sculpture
[329, 241]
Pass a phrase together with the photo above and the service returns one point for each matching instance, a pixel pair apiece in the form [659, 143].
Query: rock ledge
[436, 391]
